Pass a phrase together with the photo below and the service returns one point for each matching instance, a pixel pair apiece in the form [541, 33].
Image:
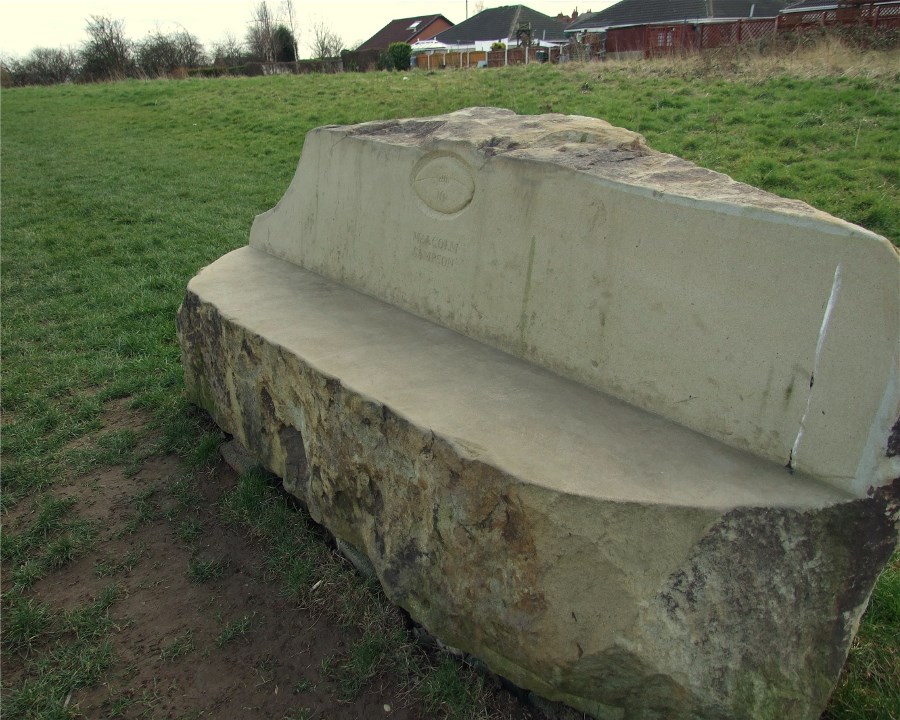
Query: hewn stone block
[616, 425]
[724, 308]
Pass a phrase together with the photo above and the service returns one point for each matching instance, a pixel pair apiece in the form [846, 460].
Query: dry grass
[829, 56]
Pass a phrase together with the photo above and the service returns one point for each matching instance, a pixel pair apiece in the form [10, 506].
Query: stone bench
[615, 424]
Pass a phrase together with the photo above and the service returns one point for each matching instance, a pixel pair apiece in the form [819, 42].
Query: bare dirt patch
[171, 662]
[199, 630]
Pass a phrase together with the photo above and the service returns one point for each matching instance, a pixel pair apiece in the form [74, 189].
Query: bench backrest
[750, 318]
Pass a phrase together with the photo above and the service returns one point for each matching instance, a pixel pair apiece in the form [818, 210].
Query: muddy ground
[170, 660]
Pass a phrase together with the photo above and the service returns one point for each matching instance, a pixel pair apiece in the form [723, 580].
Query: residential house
[526, 35]
[568, 19]
[811, 13]
[408, 30]
[622, 28]
[630, 13]
[508, 25]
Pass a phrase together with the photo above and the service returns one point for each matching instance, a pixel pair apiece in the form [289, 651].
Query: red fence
[658, 39]
[869, 14]
[713, 36]
[519, 56]
[651, 40]
[630, 39]
[436, 60]
[661, 39]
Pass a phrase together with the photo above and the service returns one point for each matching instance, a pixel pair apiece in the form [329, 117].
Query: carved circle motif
[444, 184]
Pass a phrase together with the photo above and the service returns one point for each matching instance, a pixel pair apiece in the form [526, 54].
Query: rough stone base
[238, 457]
[588, 551]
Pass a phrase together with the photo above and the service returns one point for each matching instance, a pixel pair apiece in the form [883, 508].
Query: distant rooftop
[402, 30]
[500, 23]
[645, 12]
[813, 5]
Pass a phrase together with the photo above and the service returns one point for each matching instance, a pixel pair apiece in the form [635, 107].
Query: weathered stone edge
[596, 148]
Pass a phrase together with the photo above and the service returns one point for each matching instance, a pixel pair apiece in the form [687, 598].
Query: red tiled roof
[402, 30]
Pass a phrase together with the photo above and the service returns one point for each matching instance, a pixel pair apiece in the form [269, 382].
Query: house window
[414, 25]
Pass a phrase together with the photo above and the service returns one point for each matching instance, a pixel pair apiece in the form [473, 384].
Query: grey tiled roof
[809, 5]
[500, 23]
[644, 12]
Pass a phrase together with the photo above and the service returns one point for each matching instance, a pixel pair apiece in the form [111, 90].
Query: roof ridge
[414, 17]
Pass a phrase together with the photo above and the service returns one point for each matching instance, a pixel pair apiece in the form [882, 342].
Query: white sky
[27, 24]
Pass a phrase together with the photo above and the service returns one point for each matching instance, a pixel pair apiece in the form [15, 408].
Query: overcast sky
[27, 24]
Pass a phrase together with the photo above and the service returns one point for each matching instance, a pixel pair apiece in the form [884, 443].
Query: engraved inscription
[444, 184]
[435, 250]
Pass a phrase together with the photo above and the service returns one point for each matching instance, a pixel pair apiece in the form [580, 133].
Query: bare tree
[157, 55]
[325, 43]
[191, 49]
[162, 54]
[106, 54]
[479, 6]
[45, 66]
[290, 16]
[261, 33]
[228, 51]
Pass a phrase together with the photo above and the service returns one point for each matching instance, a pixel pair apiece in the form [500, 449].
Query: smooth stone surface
[522, 420]
[585, 549]
[755, 320]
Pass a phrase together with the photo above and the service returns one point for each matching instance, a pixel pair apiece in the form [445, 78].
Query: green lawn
[114, 195]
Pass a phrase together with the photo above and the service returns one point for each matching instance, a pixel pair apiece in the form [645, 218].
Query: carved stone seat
[615, 424]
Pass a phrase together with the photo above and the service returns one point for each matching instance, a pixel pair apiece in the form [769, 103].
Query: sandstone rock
[238, 457]
[570, 243]
[547, 380]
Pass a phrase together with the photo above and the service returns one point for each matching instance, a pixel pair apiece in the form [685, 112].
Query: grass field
[114, 195]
